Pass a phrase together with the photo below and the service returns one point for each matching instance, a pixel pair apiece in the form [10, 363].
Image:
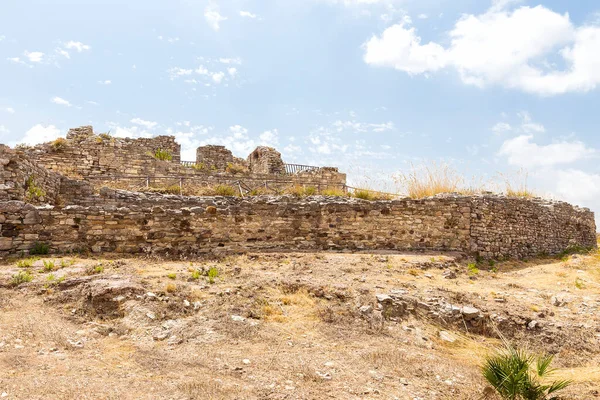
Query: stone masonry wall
[125, 222]
[102, 159]
[214, 157]
[83, 154]
[521, 228]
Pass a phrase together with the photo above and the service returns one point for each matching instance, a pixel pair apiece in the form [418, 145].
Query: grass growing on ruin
[301, 191]
[224, 190]
[39, 248]
[21, 277]
[164, 155]
[34, 192]
[234, 168]
[59, 144]
[438, 178]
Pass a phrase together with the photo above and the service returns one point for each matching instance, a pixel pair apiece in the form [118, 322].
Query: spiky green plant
[517, 375]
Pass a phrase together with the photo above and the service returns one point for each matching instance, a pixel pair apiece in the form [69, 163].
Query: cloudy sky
[369, 85]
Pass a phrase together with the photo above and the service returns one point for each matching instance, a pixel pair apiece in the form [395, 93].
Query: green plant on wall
[33, 191]
[164, 155]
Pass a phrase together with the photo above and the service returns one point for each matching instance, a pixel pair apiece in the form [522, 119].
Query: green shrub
[224, 190]
[164, 155]
[172, 275]
[196, 275]
[199, 166]
[517, 375]
[212, 273]
[39, 248]
[27, 262]
[21, 277]
[472, 269]
[49, 266]
[33, 191]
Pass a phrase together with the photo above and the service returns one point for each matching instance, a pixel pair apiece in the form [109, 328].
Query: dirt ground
[287, 326]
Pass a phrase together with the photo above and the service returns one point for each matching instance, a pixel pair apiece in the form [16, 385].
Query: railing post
[181, 186]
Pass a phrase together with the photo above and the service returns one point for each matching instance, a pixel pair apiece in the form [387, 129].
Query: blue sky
[368, 85]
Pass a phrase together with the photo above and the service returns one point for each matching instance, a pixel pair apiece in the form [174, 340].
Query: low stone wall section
[125, 222]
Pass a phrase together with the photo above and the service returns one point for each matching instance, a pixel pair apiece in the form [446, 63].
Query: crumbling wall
[214, 157]
[131, 164]
[84, 154]
[266, 160]
[22, 179]
[125, 222]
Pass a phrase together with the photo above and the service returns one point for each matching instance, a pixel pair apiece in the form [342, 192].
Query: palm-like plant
[517, 375]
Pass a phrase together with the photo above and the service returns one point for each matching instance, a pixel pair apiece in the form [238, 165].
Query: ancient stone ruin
[54, 193]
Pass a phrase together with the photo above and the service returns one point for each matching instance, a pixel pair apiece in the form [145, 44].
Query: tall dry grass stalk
[432, 179]
[436, 178]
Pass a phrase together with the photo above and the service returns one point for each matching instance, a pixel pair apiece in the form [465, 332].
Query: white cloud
[78, 46]
[248, 14]
[60, 101]
[176, 72]
[528, 126]
[217, 77]
[237, 140]
[63, 53]
[16, 60]
[501, 127]
[144, 123]
[131, 132]
[4, 129]
[106, 82]
[237, 61]
[503, 47]
[521, 151]
[579, 187]
[213, 17]
[270, 138]
[34, 56]
[401, 48]
[232, 71]
[9, 110]
[360, 2]
[40, 134]
[355, 126]
[2, 37]
[423, 16]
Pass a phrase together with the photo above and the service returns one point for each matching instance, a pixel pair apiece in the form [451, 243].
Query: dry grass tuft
[430, 180]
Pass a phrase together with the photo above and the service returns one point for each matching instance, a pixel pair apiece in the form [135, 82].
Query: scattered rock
[449, 274]
[447, 337]
[470, 313]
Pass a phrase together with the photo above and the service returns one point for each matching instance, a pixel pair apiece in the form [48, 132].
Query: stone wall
[83, 154]
[521, 228]
[130, 164]
[214, 157]
[266, 160]
[22, 179]
[125, 222]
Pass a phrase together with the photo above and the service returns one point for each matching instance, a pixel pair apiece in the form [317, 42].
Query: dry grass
[431, 179]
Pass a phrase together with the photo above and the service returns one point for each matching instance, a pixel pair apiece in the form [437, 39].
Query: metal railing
[289, 169]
